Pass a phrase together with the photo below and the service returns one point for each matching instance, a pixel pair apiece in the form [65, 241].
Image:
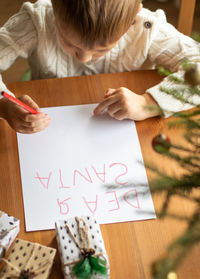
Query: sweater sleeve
[168, 48]
[18, 38]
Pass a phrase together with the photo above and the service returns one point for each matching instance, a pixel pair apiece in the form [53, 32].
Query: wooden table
[131, 246]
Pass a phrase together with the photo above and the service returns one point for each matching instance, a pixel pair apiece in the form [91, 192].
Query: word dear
[64, 205]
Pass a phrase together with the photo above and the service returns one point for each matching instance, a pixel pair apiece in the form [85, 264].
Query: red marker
[18, 102]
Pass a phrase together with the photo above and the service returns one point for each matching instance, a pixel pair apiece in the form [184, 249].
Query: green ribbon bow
[87, 266]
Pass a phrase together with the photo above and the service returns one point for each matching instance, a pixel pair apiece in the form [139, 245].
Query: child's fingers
[35, 117]
[109, 92]
[113, 108]
[119, 115]
[28, 117]
[35, 124]
[105, 104]
[30, 128]
[29, 101]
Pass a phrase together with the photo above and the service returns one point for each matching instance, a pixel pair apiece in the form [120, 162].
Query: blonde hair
[96, 21]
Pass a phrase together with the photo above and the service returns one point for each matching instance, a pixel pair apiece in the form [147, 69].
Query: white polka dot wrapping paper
[69, 251]
[9, 228]
[28, 260]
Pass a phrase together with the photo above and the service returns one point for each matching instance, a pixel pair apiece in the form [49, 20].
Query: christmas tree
[188, 157]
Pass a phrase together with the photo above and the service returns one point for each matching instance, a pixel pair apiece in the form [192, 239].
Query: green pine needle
[177, 94]
[188, 158]
[26, 76]
[185, 64]
[187, 114]
[176, 79]
[196, 36]
[164, 72]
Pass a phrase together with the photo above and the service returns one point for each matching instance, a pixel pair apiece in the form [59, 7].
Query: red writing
[61, 182]
[91, 202]
[125, 197]
[63, 206]
[125, 172]
[41, 179]
[115, 200]
[131, 198]
[88, 176]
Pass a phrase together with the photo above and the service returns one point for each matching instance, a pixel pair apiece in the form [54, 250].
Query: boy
[80, 37]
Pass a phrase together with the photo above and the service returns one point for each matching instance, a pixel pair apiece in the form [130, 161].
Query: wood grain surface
[131, 246]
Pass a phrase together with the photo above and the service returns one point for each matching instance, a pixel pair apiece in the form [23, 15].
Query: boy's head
[94, 24]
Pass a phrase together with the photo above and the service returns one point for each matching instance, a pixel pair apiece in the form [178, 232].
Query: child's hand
[21, 120]
[122, 104]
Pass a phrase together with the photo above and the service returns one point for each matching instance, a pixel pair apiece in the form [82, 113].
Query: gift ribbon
[91, 262]
[4, 249]
[26, 273]
[2, 234]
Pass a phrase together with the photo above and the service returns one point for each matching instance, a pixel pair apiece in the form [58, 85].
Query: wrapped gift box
[9, 228]
[68, 234]
[28, 260]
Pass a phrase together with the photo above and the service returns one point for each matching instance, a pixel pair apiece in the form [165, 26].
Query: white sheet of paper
[83, 164]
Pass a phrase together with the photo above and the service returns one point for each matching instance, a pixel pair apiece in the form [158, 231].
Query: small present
[28, 260]
[81, 248]
[9, 228]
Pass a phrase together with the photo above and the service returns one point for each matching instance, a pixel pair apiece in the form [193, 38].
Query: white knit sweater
[31, 34]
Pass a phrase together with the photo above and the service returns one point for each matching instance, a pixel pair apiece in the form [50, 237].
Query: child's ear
[140, 7]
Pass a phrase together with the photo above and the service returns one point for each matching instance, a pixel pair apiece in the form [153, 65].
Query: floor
[9, 7]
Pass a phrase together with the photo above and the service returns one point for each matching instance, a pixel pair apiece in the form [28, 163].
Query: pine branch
[182, 114]
[177, 94]
[189, 160]
[176, 79]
